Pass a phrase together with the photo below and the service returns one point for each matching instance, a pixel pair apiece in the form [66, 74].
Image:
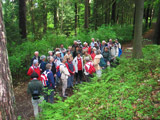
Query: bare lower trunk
[6, 88]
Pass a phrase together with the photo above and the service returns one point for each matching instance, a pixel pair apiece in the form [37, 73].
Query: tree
[6, 88]
[157, 30]
[113, 11]
[137, 43]
[22, 18]
[86, 25]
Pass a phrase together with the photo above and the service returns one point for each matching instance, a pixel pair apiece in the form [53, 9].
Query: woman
[93, 54]
[96, 63]
[68, 55]
[86, 55]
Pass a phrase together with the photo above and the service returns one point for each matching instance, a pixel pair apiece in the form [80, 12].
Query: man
[110, 43]
[64, 76]
[36, 57]
[62, 50]
[114, 52]
[34, 68]
[43, 63]
[57, 58]
[35, 88]
[103, 46]
[51, 84]
[74, 45]
[92, 43]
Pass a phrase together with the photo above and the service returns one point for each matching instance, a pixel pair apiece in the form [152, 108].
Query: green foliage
[122, 93]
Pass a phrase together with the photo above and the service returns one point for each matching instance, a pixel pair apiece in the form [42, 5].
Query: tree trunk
[106, 13]
[22, 18]
[95, 14]
[86, 25]
[6, 88]
[113, 19]
[32, 16]
[147, 15]
[55, 16]
[44, 18]
[137, 43]
[157, 30]
[76, 19]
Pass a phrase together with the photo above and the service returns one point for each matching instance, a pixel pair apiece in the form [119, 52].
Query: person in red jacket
[34, 68]
[71, 70]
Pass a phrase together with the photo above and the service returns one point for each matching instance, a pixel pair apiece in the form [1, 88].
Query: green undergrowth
[124, 92]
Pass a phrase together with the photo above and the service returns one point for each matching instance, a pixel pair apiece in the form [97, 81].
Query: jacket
[114, 52]
[34, 57]
[43, 66]
[106, 56]
[68, 56]
[97, 61]
[75, 63]
[64, 71]
[50, 79]
[34, 69]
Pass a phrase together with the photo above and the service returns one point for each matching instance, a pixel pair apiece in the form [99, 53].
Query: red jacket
[32, 69]
[93, 56]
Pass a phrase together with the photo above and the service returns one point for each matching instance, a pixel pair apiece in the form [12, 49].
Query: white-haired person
[43, 63]
[36, 57]
[34, 68]
[109, 44]
[92, 43]
[103, 46]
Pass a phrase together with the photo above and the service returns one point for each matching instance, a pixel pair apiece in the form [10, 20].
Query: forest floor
[24, 107]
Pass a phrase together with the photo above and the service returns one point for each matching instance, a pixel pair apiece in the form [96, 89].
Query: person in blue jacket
[51, 84]
[43, 63]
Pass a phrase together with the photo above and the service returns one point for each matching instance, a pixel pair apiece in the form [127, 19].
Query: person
[76, 51]
[74, 45]
[36, 57]
[114, 52]
[99, 43]
[71, 70]
[62, 50]
[50, 53]
[68, 55]
[35, 88]
[96, 46]
[86, 55]
[53, 69]
[93, 54]
[49, 93]
[119, 47]
[78, 64]
[92, 43]
[57, 58]
[110, 43]
[103, 46]
[34, 68]
[106, 55]
[87, 69]
[43, 63]
[96, 63]
[64, 76]
[71, 50]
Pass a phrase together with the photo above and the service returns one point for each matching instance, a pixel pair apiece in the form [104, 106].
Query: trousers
[64, 86]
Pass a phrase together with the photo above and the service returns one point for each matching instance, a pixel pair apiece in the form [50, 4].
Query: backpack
[35, 94]
[44, 78]
[91, 69]
[102, 63]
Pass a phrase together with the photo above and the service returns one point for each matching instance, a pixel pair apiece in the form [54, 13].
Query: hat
[58, 52]
[34, 75]
[84, 43]
[35, 61]
[43, 57]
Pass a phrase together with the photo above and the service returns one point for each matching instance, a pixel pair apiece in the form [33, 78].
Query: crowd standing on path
[62, 65]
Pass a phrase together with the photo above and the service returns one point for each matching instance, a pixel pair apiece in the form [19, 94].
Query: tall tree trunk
[106, 13]
[137, 43]
[95, 14]
[147, 15]
[32, 16]
[44, 17]
[151, 16]
[113, 19]
[76, 18]
[22, 18]
[86, 25]
[55, 16]
[6, 88]
[157, 30]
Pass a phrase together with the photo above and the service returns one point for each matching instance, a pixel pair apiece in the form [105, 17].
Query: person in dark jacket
[51, 84]
[36, 56]
[35, 88]
[106, 55]
[53, 69]
[43, 63]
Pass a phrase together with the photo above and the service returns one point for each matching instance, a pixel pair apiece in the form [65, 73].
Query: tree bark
[86, 25]
[44, 18]
[55, 16]
[76, 18]
[6, 88]
[22, 18]
[113, 19]
[157, 30]
[147, 15]
[95, 14]
[32, 16]
[137, 43]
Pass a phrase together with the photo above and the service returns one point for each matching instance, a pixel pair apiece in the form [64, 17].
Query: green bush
[124, 92]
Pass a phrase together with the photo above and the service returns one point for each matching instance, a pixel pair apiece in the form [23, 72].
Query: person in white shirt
[92, 43]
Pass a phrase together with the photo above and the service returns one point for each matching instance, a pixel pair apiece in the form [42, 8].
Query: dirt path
[23, 103]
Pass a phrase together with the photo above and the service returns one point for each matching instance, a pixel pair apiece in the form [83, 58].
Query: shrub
[124, 92]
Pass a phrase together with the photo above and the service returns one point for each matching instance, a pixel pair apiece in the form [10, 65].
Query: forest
[125, 91]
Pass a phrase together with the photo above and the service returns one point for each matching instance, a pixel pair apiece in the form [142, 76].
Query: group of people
[62, 65]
